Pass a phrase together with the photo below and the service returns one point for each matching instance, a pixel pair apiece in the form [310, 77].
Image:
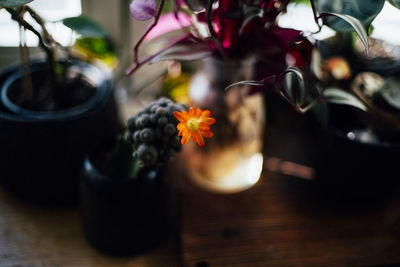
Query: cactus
[152, 132]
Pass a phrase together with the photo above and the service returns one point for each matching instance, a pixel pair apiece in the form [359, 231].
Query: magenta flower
[143, 9]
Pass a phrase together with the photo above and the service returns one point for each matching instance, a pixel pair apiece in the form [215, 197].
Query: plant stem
[136, 47]
[50, 43]
[213, 34]
[18, 16]
[137, 64]
[26, 78]
[314, 10]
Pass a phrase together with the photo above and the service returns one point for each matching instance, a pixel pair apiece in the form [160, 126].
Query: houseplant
[240, 40]
[52, 111]
[361, 115]
[125, 190]
[353, 149]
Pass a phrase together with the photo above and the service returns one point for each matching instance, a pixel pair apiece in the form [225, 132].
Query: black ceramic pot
[352, 160]
[289, 135]
[42, 152]
[124, 216]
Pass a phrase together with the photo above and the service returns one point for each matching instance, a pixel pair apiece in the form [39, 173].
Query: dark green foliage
[13, 3]
[121, 160]
[395, 3]
[363, 10]
[85, 26]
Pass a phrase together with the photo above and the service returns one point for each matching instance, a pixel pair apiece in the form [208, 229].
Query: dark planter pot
[289, 135]
[351, 162]
[124, 216]
[42, 152]
[344, 169]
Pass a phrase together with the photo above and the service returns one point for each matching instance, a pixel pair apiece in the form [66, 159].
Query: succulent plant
[152, 132]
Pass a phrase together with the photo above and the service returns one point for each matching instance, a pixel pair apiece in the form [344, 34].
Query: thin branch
[18, 17]
[136, 47]
[316, 19]
[45, 33]
[139, 63]
[209, 19]
[214, 36]
[26, 79]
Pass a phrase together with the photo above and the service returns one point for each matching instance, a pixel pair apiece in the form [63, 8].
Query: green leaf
[395, 3]
[338, 96]
[391, 92]
[252, 83]
[196, 5]
[13, 3]
[355, 24]
[122, 162]
[294, 86]
[251, 13]
[85, 26]
[184, 52]
[363, 10]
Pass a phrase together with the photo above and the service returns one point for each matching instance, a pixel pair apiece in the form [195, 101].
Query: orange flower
[194, 123]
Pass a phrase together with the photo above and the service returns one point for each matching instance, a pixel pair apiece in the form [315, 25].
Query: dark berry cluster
[153, 134]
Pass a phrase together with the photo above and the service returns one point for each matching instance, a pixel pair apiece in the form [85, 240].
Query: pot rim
[100, 78]
[376, 144]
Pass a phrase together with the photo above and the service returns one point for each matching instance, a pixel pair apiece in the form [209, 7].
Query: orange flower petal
[206, 134]
[185, 131]
[209, 121]
[191, 112]
[194, 123]
[181, 126]
[197, 138]
[181, 116]
[204, 126]
[185, 137]
[198, 113]
[206, 113]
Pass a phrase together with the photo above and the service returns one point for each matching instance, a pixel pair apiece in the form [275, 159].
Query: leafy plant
[235, 30]
[366, 82]
[55, 71]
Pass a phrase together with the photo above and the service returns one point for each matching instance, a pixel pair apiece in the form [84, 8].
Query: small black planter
[350, 161]
[42, 152]
[124, 216]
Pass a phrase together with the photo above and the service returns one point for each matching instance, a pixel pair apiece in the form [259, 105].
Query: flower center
[193, 124]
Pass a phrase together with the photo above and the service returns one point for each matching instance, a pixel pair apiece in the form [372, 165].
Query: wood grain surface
[281, 221]
[33, 236]
[285, 221]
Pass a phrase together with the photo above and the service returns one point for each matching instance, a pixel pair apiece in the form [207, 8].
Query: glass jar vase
[231, 161]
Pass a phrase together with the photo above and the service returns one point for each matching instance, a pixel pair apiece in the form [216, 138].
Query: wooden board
[32, 235]
[288, 221]
[285, 221]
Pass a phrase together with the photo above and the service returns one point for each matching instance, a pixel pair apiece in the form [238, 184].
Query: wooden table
[285, 221]
[33, 236]
[282, 221]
